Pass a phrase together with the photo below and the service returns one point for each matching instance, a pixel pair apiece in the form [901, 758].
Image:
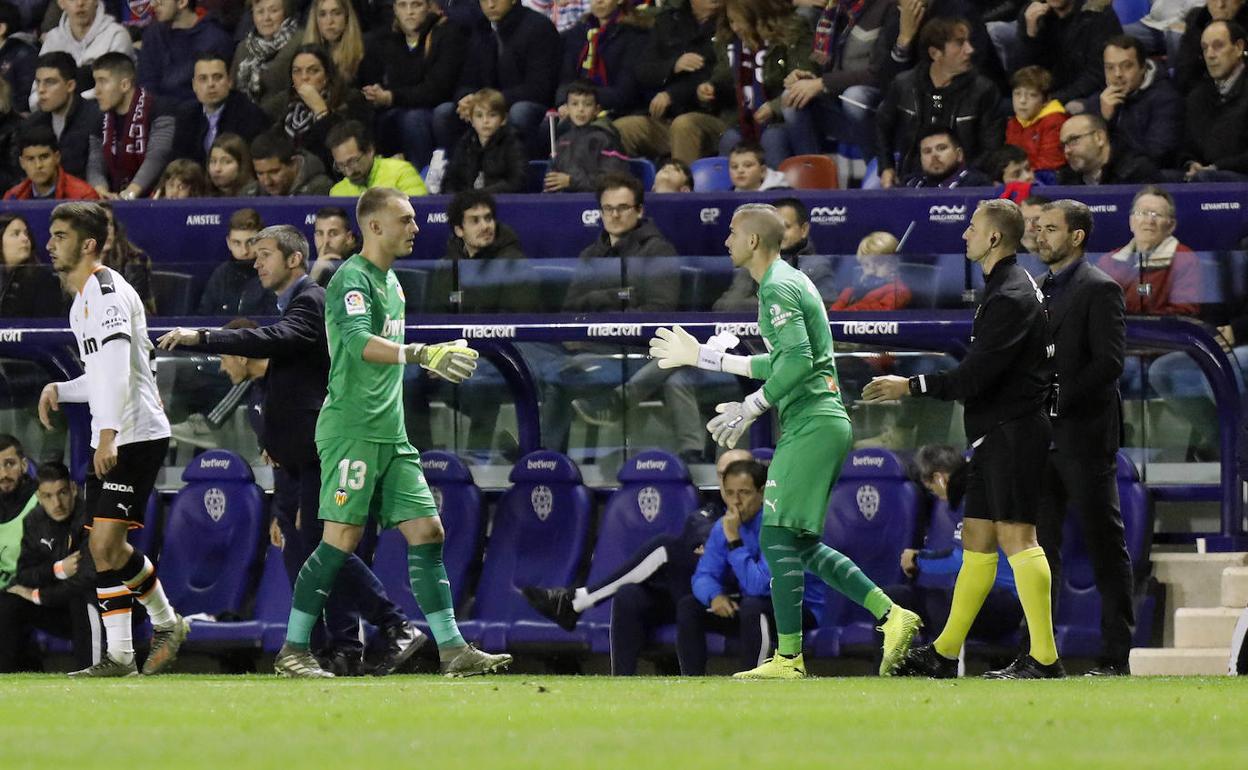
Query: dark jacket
[1217, 126]
[1086, 319]
[239, 115]
[528, 69]
[620, 48]
[497, 279]
[298, 371]
[502, 163]
[1125, 167]
[422, 77]
[641, 262]
[82, 123]
[1189, 69]
[790, 51]
[1071, 49]
[962, 177]
[676, 32]
[10, 170]
[31, 290]
[17, 65]
[587, 152]
[45, 542]
[887, 65]
[311, 179]
[1149, 121]
[970, 110]
[167, 57]
[234, 290]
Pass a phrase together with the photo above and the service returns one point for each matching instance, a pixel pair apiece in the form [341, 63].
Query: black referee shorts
[1006, 475]
[122, 494]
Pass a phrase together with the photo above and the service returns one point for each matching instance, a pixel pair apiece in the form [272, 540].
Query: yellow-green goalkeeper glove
[452, 361]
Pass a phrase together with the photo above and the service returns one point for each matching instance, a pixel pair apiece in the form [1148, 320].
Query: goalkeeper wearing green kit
[367, 465]
[800, 380]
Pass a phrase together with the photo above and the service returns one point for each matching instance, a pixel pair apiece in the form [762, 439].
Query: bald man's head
[763, 220]
[730, 457]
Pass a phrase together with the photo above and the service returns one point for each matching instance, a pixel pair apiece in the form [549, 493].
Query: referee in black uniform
[1086, 315]
[1003, 383]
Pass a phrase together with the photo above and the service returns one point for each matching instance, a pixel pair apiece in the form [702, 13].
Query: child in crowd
[1037, 123]
[587, 150]
[491, 156]
[749, 172]
[183, 178]
[673, 176]
[878, 285]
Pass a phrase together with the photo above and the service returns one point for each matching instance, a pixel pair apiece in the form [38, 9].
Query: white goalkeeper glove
[675, 347]
[452, 361]
[735, 418]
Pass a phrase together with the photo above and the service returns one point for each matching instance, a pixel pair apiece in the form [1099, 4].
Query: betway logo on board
[868, 327]
[214, 463]
[870, 461]
[828, 215]
[940, 213]
[437, 465]
[652, 465]
[540, 465]
[203, 219]
[739, 329]
[613, 330]
[489, 332]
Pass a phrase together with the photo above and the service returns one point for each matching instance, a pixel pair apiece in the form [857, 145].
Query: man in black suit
[295, 390]
[1086, 317]
[218, 109]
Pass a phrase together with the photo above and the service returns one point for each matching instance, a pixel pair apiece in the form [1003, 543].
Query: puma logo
[125, 509]
[46, 541]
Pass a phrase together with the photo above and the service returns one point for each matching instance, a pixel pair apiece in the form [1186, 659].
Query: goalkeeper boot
[776, 667]
[899, 629]
[299, 664]
[107, 668]
[926, 662]
[553, 603]
[166, 641]
[472, 662]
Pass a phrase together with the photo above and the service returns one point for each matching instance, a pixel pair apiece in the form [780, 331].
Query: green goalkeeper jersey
[800, 367]
[365, 401]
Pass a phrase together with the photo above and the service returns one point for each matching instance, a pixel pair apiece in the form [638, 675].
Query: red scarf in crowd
[835, 23]
[592, 67]
[125, 139]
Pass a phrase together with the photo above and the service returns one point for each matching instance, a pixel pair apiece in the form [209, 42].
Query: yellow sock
[1034, 581]
[975, 580]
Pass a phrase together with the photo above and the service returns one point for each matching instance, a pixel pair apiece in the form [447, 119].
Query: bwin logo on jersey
[868, 499]
[591, 217]
[828, 215]
[941, 213]
[709, 216]
[214, 503]
[649, 500]
[543, 501]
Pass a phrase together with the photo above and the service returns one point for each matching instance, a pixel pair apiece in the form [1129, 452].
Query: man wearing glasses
[1091, 158]
[355, 157]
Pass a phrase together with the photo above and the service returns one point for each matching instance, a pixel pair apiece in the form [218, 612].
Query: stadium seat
[172, 292]
[212, 540]
[810, 172]
[872, 517]
[273, 598]
[711, 175]
[1131, 11]
[415, 282]
[643, 169]
[540, 530]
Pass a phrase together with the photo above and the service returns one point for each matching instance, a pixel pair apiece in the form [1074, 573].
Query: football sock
[116, 603]
[1034, 581]
[788, 585]
[975, 580]
[839, 571]
[312, 588]
[432, 590]
[139, 575]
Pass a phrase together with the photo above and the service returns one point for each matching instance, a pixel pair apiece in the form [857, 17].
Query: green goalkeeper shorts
[803, 471]
[362, 478]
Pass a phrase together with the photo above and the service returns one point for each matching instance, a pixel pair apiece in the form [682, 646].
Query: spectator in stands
[334, 240]
[565, 14]
[17, 498]
[1189, 65]
[1160, 31]
[942, 162]
[491, 156]
[603, 49]
[73, 119]
[878, 284]
[732, 582]
[945, 92]
[900, 47]
[516, 51]
[261, 66]
[17, 57]
[673, 176]
[647, 588]
[1140, 104]
[54, 586]
[282, 170]
[218, 109]
[1155, 259]
[1093, 159]
[230, 172]
[136, 141]
[408, 72]
[40, 157]
[335, 26]
[1036, 125]
[182, 179]
[486, 262]
[27, 288]
[589, 148]
[758, 44]
[10, 123]
[742, 294]
[748, 169]
[171, 47]
[86, 32]
[1216, 145]
[120, 254]
[1008, 165]
[837, 96]
[355, 157]
[234, 289]
[1066, 37]
[679, 55]
[1031, 209]
[318, 101]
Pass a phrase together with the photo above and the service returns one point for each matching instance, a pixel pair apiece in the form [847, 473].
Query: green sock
[312, 587]
[839, 571]
[432, 590]
[975, 579]
[1034, 581]
[788, 586]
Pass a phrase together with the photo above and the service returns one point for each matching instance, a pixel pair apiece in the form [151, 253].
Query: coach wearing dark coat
[1086, 317]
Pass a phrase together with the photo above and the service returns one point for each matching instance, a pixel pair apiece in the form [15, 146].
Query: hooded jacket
[587, 152]
[1150, 120]
[104, 35]
[1040, 137]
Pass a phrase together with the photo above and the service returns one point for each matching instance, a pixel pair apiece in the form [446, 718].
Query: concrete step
[1192, 580]
[1168, 661]
[1235, 587]
[1196, 627]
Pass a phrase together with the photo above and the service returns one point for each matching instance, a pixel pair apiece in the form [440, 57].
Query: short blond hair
[374, 200]
[878, 242]
[492, 100]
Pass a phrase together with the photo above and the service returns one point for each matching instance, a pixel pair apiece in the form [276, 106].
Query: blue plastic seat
[711, 175]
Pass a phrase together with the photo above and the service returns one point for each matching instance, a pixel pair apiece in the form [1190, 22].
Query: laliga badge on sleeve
[355, 304]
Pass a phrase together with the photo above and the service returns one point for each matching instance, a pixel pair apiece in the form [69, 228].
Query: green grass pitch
[525, 721]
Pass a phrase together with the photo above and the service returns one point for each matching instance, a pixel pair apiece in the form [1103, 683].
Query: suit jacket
[1087, 321]
[240, 116]
[298, 371]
